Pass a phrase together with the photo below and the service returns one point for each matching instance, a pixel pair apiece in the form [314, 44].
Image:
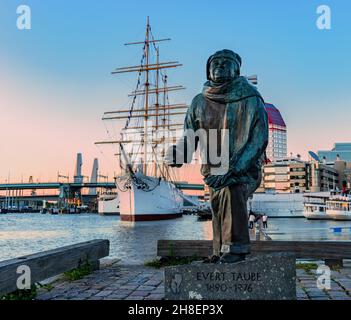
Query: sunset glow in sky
[55, 80]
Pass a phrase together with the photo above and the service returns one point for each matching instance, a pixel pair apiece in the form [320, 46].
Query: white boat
[149, 193]
[108, 204]
[324, 206]
[144, 198]
[339, 207]
[315, 206]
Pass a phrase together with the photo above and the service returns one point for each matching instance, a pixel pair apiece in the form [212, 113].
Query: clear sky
[55, 80]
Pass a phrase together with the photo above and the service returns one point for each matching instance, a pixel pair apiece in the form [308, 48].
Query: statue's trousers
[229, 219]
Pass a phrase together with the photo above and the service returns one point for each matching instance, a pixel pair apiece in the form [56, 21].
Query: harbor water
[135, 243]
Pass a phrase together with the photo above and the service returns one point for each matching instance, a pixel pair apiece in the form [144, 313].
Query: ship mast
[164, 121]
[149, 110]
[156, 103]
[146, 94]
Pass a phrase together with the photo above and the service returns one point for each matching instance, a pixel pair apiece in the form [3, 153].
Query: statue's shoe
[231, 258]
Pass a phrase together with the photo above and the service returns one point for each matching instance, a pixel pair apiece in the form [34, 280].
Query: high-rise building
[277, 143]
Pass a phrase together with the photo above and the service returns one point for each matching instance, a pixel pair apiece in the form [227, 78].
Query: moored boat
[147, 193]
[327, 207]
[315, 206]
[108, 204]
[339, 208]
[145, 198]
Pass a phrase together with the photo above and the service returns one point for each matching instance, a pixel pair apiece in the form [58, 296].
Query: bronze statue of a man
[228, 103]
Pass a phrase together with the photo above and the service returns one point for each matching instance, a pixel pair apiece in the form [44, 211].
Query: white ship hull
[278, 204]
[161, 201]
[339, 215]
[331, 207]
[335, 215]
[315, 208]
[316, 216]
[108, 206]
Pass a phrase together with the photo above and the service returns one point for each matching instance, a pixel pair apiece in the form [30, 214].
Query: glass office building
[343, 150]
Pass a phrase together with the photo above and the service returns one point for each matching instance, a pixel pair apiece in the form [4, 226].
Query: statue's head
[223, 66]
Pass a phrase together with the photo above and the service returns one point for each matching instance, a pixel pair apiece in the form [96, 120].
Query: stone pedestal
[261, 277]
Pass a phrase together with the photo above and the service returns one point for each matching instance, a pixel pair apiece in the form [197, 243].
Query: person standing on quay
[252, 219]
[264, 221]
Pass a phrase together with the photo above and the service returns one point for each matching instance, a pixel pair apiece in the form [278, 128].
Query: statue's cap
[225, 53]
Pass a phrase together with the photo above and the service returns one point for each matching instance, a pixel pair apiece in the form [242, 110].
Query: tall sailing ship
[145, 189]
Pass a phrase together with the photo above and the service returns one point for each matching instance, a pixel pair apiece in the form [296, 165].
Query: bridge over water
[68, 193]
[75, 185]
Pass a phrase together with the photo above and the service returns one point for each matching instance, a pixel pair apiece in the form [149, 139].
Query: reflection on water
[303, 229]
[22, 234]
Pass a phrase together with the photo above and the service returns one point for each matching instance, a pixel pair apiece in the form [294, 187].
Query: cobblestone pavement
[137, 282]
[340, 285]
[116, 282]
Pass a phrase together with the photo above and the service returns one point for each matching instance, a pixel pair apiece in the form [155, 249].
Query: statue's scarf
[230, 91]
[227, 93]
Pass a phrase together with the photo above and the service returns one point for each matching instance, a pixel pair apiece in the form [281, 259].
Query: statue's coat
[237, 106]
